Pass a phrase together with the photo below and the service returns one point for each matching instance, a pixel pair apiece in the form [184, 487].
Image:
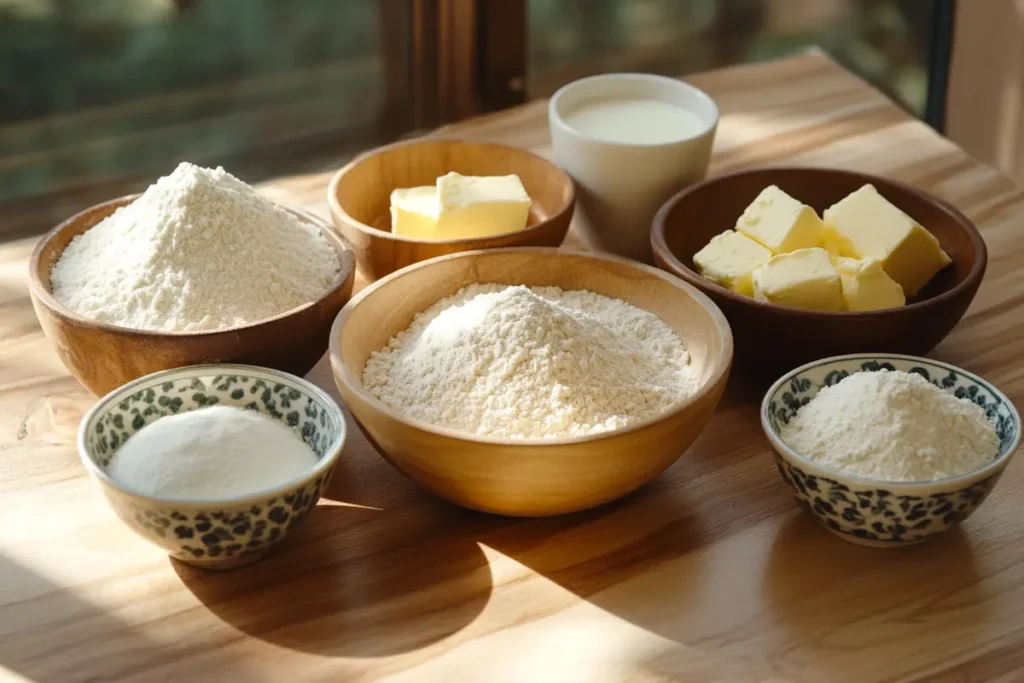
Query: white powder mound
[199, 250]
[538, 362]
[211, 453]
[892, 426]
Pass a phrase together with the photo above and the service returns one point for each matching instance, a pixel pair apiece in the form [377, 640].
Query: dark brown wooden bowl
[771, 338]
[104, 356]
[359, 196]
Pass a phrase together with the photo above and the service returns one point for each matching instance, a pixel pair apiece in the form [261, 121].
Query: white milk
[634, 121]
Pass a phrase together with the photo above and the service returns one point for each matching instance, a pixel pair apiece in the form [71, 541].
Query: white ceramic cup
[620, 186]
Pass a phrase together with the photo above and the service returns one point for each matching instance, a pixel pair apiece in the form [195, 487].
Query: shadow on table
[50, 635]
[357, 581]
[817, 584]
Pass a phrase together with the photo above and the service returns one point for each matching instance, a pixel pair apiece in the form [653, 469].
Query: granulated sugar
[536, 362]
[893, 426]
[211, 453]
[199, 250]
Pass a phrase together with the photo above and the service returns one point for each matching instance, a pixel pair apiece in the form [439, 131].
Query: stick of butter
[804, 278]
[780, 223]
[866, 225]
[729, 259]
[480, 206]
[460, 207]
[414, 212]
[866, 286]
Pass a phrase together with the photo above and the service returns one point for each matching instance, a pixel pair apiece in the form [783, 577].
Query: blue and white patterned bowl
[883, 513]
[215, 534]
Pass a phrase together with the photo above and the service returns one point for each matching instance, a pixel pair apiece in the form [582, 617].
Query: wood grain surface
[709, 573]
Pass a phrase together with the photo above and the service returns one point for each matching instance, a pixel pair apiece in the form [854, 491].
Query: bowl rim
[44, 293]
[556, 119]
[659, 245]
[326, 462]
[355, 385]
[339, 212]
[997, 464]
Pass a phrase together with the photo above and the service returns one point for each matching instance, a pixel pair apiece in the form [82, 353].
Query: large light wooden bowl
[104, 356]
[359, 197]
[530, 477]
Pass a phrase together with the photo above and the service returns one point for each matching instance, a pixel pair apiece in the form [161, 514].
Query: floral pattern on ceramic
[225, 533]
[886, 513]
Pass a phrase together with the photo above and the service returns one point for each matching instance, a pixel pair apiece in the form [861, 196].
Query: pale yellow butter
[804, 278]
[480, 206]
[866, 286]
[780, 223]
[414, 212]
[729, 259]
[866, 225]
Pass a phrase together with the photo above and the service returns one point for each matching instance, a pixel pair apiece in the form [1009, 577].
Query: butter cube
[729, 259]
[804, 278]
[780, 223]
[414, 212]
[866, 286]
[866, 225]
[480, 206]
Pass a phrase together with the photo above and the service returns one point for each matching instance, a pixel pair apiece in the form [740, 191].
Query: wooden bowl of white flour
[550, 382]
[103, 356]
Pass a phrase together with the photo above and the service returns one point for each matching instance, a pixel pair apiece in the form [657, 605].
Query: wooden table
[708, 574]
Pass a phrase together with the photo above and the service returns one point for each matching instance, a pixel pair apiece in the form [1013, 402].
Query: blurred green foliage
[885, 41]
[101, 96]
[59, 56]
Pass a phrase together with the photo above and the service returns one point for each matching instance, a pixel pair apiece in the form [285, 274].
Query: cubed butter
[414, 212]
[480, 206]
[729, 259]
[866, 225]
[866, 285]
[804, 278]
[780, 223]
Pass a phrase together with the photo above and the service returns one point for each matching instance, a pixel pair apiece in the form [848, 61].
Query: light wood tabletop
[710, 573]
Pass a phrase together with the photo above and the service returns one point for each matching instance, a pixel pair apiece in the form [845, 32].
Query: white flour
[200, 250]
[209, 453]
[893, 426]
[532, 363]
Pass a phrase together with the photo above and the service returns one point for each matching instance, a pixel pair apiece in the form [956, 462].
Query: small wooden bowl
[104, 356]
[529, 477]
[360, 198]
[770, 338]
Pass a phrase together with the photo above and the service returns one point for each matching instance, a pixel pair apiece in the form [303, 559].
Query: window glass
[886, 41]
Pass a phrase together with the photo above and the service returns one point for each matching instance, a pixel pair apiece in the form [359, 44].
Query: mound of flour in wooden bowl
[199, 250]
[532, 362]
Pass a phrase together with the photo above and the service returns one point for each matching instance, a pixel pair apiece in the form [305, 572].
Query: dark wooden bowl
[359, 196]
[104, 356]
[771, 338]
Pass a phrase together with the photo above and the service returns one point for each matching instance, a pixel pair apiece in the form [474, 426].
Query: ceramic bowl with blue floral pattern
[215, 534]
[883, 513]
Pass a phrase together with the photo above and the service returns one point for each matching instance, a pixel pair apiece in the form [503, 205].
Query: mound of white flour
[893, 426]
[536, 362]
[199, 250]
